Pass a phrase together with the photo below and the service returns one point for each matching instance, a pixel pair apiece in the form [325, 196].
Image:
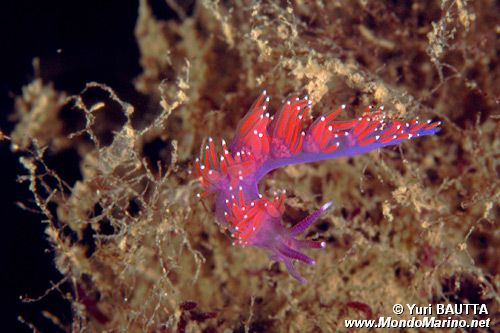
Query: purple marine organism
[263, 143]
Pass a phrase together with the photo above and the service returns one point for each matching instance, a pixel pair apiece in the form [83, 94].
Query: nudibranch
[263, 143]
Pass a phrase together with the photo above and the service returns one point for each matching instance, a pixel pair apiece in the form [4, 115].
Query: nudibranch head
[258, 224]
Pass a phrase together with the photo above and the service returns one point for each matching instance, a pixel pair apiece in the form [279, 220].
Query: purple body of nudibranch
[263, 143]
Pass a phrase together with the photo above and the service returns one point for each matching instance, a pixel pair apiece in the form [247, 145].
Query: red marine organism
[263, 143]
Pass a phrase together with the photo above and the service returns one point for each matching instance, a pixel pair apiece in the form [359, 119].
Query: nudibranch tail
[263, 142]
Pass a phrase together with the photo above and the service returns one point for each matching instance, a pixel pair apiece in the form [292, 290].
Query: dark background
[76, 42]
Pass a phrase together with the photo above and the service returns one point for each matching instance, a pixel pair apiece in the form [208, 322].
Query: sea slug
[263, 143]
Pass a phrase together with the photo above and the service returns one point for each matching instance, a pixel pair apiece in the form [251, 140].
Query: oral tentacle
[294, 254]
[310, 244]
[293, 272]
